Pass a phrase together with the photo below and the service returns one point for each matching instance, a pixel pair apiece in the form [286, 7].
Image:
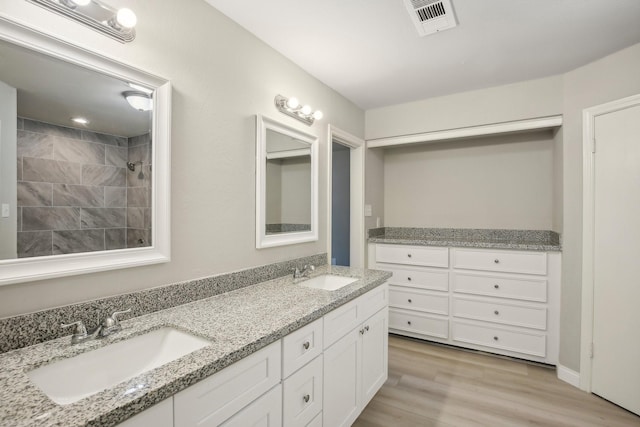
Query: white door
[374, 354]
[616, 268]
[341, 381]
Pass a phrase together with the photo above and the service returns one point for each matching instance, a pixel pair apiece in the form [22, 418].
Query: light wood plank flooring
[432, 385]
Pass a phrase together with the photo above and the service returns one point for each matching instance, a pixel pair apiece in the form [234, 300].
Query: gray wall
[341, 204]
[8, 226]
[222, 76]
[493, 182]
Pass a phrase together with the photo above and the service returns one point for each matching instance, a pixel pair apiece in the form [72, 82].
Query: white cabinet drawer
[302, 395]
[215, 399]
[528, 289]
[418, 323]
[501, 338]
[503, 261]
[416, 299]
[417, 277]
[264, 412]
[500, 312]
[371, 302]
[300, 347]
[413, 255]
[316, 422]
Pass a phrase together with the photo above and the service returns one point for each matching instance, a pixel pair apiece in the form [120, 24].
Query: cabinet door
[264, 412]
[375, 347]
[159, 415]
[341, 403]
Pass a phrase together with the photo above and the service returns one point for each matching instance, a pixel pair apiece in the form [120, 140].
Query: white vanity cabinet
[284, 384]
[355, 364]
[500, 301]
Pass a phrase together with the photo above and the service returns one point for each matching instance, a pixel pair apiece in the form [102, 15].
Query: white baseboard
[567, 375]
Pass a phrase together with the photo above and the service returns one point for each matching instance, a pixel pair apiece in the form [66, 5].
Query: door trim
[357, 146]
[588, 199]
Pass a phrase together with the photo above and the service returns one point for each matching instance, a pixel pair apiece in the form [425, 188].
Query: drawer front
[302, 395]
[264, 412]
[416, 299]
[300, 347]
[499, 312]
[316, 422]
[417, 277]
[413, 255]
[503, 261]
[371, 302]
[215, 399]
[500, 338]
[500, 286]
[339, 322]
[418, 323]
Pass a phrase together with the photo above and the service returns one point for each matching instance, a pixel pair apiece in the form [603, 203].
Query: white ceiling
[369, 50]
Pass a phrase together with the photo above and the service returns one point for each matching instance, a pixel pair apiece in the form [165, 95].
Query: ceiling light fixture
[140, 88]
[138, 100]
[115, 23]
[291, 107]
[80, 120]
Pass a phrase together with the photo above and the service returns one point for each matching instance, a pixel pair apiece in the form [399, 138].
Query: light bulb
[293, 103]
[317, 115]
[80, 120]
[126, 18]
[306, 110]
[81, 2]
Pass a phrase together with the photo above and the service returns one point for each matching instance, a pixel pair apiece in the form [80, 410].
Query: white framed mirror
[286, 184]
[79, 197]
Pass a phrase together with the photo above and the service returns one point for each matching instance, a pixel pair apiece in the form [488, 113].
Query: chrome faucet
[107, 327]
[306, 270]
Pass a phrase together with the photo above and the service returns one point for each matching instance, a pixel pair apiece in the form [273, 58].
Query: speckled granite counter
[529, 240]
[237, 323]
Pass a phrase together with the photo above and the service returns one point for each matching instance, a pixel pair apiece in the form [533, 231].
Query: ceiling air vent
[431, 16]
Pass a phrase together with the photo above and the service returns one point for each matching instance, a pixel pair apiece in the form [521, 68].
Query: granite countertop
[529, 240]
[237, 323]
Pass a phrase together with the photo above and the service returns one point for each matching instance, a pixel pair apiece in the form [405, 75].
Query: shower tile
[138, 238]
[19, 168]
[31, 144]
[134, 179]
[116, 156]
[50, 218]
[20, 123]
[78, 151]
[19, 219]
[138, 197]
[34, 243]
[40, 127]
[34, 193]
[147, 218]
[140, 139]
[45, 170]
[135, 217]
[103, 218]
[76, 241]
[115, 238]
[77, 195]
[103, 175]
[115, 197]
[103, 138]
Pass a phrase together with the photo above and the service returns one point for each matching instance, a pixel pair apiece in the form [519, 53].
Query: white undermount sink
[328, 282]
[69, 380]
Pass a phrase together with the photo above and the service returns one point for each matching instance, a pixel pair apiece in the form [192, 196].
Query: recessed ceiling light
[141, 88]
[80, 120]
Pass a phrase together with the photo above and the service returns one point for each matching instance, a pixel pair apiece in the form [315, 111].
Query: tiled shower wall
[138, 192]
[74, 188]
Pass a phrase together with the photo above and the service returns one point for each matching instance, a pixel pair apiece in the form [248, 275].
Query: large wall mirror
[84, 170]
[286, 184]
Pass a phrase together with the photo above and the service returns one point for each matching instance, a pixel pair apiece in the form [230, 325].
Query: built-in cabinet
[322, 374]
[500, 301]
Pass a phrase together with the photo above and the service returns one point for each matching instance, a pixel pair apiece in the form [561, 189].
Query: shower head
[132, 165]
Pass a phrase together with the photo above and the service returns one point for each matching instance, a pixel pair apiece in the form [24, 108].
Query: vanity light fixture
[291, 107]
[138, 100]
[115, 23]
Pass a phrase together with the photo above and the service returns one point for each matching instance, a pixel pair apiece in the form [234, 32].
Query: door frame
[588, 223]
[357, 146]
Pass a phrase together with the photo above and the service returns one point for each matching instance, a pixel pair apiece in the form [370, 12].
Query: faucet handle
[80, 330]
[117, 313]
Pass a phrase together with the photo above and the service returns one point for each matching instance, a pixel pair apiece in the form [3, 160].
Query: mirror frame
[47, 267]
[264, 240]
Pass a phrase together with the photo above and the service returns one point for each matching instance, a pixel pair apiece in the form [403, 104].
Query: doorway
[345, 201]
[609, 364]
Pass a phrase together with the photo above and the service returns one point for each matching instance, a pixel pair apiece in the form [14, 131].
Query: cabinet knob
[409, 278]
[306, 398]
[409, 255]
[306, 345]
[409, 300]
[497, 261]
[496, 312]
[408, 322]
[361, 331]
[496, 286]
[495, 338]
[366, 328]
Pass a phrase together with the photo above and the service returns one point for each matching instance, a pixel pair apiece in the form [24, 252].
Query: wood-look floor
[432, 385]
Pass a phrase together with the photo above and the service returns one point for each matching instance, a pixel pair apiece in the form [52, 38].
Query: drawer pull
[409, 278]
[408, 322]
[497, 261]
[306, 398]
[495, 338]
[409, 255]
[409, 300]
[306, 345]
[496, 312]
[496, 286]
